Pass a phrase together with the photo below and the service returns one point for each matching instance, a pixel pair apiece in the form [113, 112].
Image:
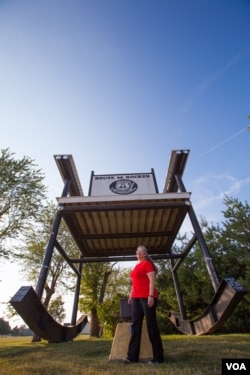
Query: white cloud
[210, 190]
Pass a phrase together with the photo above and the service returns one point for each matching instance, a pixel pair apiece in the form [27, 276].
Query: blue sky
[119, 84]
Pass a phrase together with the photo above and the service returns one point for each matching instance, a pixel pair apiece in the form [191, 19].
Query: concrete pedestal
[121, 339]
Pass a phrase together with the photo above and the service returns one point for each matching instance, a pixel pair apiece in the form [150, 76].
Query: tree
[31, 254]
[56, 308]
[93, 289]
[236, 243]
[21, 193]
[230, 242]
[118, 287]
[229, 246]
[21, 331]
[4, 327]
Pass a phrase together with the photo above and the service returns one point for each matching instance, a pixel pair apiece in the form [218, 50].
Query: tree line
[26, 217]
[5, 329]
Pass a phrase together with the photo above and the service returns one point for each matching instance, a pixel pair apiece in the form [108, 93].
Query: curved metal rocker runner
[120, 212]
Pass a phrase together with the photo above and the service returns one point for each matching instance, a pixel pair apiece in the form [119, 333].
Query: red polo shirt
[140, 280]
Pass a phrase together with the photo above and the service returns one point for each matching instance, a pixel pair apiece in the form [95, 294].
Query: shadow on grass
[185, 355]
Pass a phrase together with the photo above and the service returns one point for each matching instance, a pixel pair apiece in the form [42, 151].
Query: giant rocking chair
[109, 226]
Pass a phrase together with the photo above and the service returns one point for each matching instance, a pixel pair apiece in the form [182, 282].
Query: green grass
[185, 355]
